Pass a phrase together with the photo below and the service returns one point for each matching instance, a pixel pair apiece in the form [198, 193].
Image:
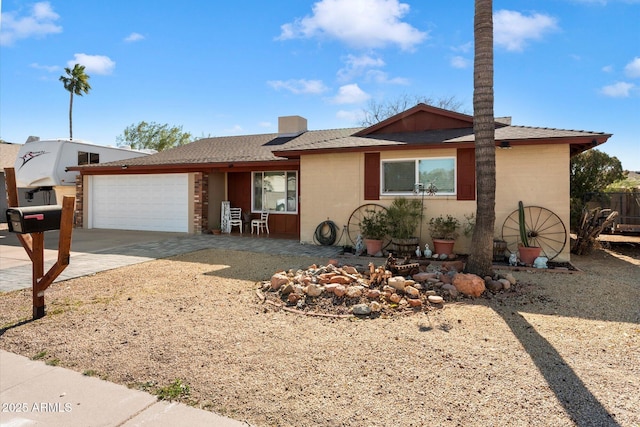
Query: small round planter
[442, 246]
[529, 254]
[373, 246]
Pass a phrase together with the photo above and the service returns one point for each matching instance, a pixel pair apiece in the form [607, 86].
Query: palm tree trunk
[70, 115]
[481, 257]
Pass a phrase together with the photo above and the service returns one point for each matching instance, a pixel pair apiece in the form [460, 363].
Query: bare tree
[378, 111]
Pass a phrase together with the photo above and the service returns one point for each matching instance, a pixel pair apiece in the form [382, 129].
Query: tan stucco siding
[332, 187]
[537, 175]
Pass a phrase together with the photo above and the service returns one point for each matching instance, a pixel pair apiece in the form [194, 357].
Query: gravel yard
[562, 350]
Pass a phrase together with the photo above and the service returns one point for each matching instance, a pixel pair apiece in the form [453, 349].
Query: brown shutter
[372, 176]
[466, 174]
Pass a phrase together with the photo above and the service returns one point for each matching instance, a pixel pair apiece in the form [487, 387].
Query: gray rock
[361, 309]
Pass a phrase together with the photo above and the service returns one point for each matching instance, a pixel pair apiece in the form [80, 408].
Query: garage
[154, 202]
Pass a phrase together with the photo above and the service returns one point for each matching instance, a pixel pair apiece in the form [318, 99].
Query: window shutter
[466, 174]
[372, 176]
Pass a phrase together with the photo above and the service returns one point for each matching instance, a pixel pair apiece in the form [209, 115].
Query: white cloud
[607, 69]
[133, 37]
[513, 30]
[464, 48]
[381, 77]
[632, 69]
[300, 86]
[358, 23]
[265, 124]
[460, 62]
[350, 116]
[94, 64]
[48, 68]
[38, 23]
[356, 66]
[350, 94]
[618, 90]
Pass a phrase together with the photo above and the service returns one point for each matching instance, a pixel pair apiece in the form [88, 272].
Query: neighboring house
[306, 177]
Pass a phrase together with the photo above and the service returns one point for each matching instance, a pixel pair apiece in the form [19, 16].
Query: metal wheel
[544, 229]
[353, 225]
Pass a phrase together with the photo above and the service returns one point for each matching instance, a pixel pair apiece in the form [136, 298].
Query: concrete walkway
[35, 394]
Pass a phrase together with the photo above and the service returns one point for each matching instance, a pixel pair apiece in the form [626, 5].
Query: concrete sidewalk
[35, 394]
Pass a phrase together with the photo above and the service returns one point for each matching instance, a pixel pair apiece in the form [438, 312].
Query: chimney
[291, 125]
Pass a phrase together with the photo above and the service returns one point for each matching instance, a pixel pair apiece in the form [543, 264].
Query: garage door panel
[140, 202]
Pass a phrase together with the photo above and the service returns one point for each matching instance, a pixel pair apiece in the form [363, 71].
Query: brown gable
[420, 118]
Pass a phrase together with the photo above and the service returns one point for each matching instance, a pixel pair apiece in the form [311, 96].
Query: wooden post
[34, 245]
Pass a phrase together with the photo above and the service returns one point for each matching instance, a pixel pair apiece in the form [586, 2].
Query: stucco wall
[332, 188]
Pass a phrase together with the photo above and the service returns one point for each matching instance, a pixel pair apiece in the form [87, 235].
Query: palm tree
[76, 82]
[481, 256]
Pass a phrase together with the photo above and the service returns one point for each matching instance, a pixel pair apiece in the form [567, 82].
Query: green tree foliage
[591, 172]
[153, 136]
[77, 83]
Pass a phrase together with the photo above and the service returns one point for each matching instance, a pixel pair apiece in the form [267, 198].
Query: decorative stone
[435, 299]
[349, 269]
[456, 266]
[397, 282]
[395, 298]
[511, 278]
[451, 289]
[314, 290]
[361, 309]
[375, 306]
[494, 285]
[342, 280]
[331, 287]
[469, 284]
[373, 294]
[411, 291]
[414, 302]
[340, 290]
[354, 291]
[430, 292]
[278, 280]
[443, 257]
[293, 298]
[506, 285]
[286, 289]
[423, 277]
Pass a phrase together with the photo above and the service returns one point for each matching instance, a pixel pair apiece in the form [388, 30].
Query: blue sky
[229, 68]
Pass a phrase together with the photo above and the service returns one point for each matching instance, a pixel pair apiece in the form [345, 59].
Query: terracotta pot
[373, 246]
[216, 231]
[529, 254]
[442, 246]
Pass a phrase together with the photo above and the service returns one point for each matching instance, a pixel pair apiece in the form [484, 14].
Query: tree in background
[480, 260]
[77, 83]
[591, 172]
[379, 111]
[153, 136]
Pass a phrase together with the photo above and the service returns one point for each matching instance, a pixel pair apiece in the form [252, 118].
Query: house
[306, 177]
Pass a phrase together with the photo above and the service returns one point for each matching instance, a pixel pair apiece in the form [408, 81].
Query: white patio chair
[261, 224]
[236, 218]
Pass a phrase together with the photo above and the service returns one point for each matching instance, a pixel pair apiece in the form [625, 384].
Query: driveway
[98, 250]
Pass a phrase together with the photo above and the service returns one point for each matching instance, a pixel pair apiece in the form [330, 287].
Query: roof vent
[291, 125]
[33, 139]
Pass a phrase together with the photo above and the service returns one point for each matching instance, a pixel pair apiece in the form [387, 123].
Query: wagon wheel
[544, 229]
[353, 225]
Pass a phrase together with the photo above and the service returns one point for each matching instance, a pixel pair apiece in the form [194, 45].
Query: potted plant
[216, 228]
[528, 251]
[374, 228]
[444, 231]
[404, 216]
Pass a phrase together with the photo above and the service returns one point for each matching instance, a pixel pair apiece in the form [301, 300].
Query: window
[401, 176]
[85, 158]
[275, 191]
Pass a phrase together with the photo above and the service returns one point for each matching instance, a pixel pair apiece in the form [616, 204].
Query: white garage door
[140, 202]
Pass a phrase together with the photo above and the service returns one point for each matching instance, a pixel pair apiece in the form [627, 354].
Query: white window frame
[285, 174]
[417, 175]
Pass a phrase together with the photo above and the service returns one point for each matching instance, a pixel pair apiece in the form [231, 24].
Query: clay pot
[529, 254]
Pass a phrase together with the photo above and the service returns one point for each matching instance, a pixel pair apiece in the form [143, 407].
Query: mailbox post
[30, 223]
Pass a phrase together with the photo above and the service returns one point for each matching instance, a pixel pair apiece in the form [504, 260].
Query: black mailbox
[34, 219]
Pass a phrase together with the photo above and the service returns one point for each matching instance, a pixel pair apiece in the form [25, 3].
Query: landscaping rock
[354, 291]
[361, 309]
[448, 287]
[314, 290]
[435, 299]
[397, 282]
[278, 280]
[469, 284]
[411, 291]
